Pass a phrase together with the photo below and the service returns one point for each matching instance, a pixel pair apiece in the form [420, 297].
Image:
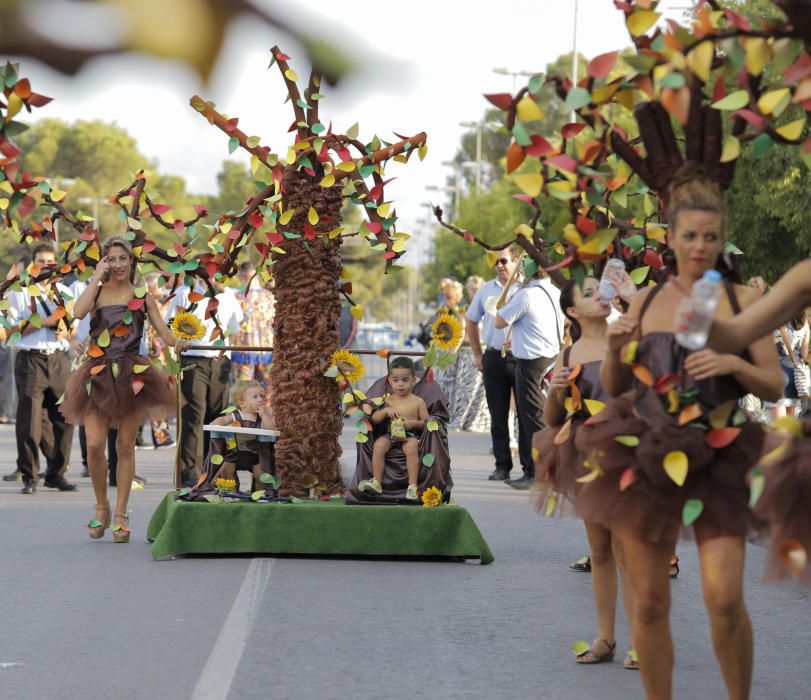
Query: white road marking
[221, 666]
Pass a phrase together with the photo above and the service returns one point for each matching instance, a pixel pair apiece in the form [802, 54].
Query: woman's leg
[648, 571]
[125, 449]
[603, 579]
[722, 581]
[628, 599]
[96, 426]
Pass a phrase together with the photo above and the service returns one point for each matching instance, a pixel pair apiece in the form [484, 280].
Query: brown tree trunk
[308, 309]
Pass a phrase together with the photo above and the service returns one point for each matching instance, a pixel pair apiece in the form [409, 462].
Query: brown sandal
[593, 656]
[121, 532]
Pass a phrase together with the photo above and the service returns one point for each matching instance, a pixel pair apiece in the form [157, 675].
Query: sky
[425, 65]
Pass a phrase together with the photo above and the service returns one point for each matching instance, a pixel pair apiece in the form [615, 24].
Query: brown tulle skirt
[636, 494]
[557, 468]
[112, 393]
[786, 505]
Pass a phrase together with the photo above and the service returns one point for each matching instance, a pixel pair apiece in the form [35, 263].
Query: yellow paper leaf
[641, 21]
[558, 248]
[3, 203]
[627, 440]
[676, 464]
[284, 219]
[629, 352]
[356, 311]
[562, 189]
[422, 151]
[328, 181]
[699, 60]
[524, 230]
[347, 167]
[790, 425]
[14, 106]
[226, 227]
[290, 74]
[758, 54]
[593, 406]
[529, 183]
[792, 130]
[732, 149]
[58, 195]
[551, 504]
[673, 401]
[93, 252]
[134, 224]
[336, 232]
[312, 216]
[383, 209]
[598, 242]
[591, 476]
[528, 109]
[572, 235]
[139, 369]
[398, 246]
[774, 101]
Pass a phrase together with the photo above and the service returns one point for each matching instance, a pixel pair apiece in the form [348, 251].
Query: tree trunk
[306, 404]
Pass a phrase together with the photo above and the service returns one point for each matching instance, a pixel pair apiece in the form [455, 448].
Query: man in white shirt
[537, 330]
[206, 386]
[41, 371]
[498, 373]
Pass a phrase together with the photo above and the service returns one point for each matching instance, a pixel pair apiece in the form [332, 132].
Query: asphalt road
[87, 619]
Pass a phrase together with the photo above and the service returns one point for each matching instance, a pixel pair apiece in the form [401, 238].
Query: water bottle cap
[712, 276]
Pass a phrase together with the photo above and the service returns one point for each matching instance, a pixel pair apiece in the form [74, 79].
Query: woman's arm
[787, 299]
[554, 412]
[87, 299]
[160, 326]
[761, 377]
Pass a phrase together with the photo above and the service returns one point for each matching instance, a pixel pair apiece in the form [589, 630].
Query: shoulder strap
[648, 300]
[566, 353]
[555, 313]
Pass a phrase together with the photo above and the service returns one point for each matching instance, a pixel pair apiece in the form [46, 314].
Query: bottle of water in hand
[610, 279]
[695, 314]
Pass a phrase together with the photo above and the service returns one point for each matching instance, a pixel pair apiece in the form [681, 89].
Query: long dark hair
[566, 302]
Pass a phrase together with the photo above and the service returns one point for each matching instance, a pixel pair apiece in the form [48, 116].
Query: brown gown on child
[115, 379]
[667, 412]
[558, 466]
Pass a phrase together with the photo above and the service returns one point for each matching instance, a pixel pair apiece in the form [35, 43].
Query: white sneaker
[411, 493]
[372, 485]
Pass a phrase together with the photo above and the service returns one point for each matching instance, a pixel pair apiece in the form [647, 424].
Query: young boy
[241, 453]
[405, 413]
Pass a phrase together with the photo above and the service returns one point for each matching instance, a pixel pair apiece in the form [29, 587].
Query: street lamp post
[478, 126]
[514, 74]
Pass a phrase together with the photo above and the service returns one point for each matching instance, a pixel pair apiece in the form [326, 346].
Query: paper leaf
[528, 110]
[734, 100]
[794, 557]
[690, 413]
[256, 495]
[103, 340]
[676, 465]
[627, 440]
[312, 216]
[692, 511]
[137, 385]
[272, 479]
[731, 150]
[628, 477]
[357, 312]
[361, 438]
[593, 406]
[529, 183]
[431, 426]
[793, 130]
[580, 647]
[217, 459]
[640, 21]
[600, 66]
[563, 435]
[721, 437]
[577, 98]
[757, 481]
[428, 459]
[643, 374]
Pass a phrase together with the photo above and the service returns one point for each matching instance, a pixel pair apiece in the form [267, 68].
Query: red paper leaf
[522, 198]
[539, 146]
[309, 232]
[135, 304]
[160, 209]
[179, 249]
[800, 69]
[200, 209]
[721, 437]
[36, 100]
[719, 89]
[9, 150]
[211, 307]
[282, 56]
[653, 259]
[571, 130]
[515, 156]
[343, 154]
[502, 100]
[231, 124]
[194, 297]
[469, 237]
[585, 225]
[148, 246]
[429, 375]
[601, 65]
[666, 382]
[23, 88]
[374, 226]
[178, 227]
[754, 119]
[137, 385]
[564, 162]
[563, 263]
[26, 205]
[389, 254]
[275, 238]
[256, 219]
[628, 477]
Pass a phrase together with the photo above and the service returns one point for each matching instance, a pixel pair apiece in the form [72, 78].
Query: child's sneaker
[372, 485]
[411, 493]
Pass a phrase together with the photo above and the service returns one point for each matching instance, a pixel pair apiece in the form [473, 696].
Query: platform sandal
[631, 662]
[96, 527]
[121, 533]
[600, 651]
[674, 567]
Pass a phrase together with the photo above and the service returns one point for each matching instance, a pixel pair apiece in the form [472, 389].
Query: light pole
[514, 74]
[572, 117]
[478, 126]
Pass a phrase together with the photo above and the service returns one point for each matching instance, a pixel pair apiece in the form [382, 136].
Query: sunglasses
[502, 261]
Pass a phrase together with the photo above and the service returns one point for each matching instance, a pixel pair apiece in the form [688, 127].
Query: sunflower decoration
[446, 332]
[225, 485]
[187, 326]
[348, 365]
[431, 497]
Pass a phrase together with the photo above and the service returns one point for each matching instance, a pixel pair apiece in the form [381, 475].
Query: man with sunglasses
[498, 373]
[41, 370]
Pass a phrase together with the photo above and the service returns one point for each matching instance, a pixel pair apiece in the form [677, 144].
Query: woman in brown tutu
[674, 449]
[116, 384]
[575, 393]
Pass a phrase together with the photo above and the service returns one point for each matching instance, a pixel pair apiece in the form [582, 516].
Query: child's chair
[395, 476]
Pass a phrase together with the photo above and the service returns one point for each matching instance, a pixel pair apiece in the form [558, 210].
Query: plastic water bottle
[610, 277]
[695, 314]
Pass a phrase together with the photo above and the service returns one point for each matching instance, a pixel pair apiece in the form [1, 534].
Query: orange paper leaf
[690, 413]
[95, 351]
[643, 374]
[98, 369]
[721, 437]
[564, 433]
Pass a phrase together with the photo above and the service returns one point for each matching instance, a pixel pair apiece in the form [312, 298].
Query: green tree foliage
[235, 187]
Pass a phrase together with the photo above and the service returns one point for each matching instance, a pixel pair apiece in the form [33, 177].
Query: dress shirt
[536, 319]
[43, 339]
[490, 336]
[229, 314]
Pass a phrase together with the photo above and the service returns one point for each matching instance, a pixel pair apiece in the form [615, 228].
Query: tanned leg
[96, 426]
[125, 449]
[648, 569]
[381, 449]
[722, 561]
[628, 599]
[412, 455]
[603, 579]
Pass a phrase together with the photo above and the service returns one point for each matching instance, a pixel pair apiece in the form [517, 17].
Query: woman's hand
[102, 269]
[621, 332]
[708, 363]
[625, 286]
[181, 345]
[560, 379]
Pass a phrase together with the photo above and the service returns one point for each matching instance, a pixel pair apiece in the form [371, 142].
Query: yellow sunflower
[349, 366]
[187, 326]
[447, 332]
[225, 485]
[432, 497]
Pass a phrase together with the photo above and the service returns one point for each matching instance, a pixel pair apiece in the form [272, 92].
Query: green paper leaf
[431, 426]
[734, 100]
[212, 498]
[35, 321]
[331, 372]
[103, 340]
[183, 492]
[580, 647]
[761, 146]
[578, 97]
[318, 128]
[361, 438]
[233, 144]
[672, 80]
[14, 338]
[520, 135]
[635, 242]
[691, 512]
[639, 274]
[256, 495]
[536, 83]
[230, 409]
[273, 479]
[352, 131]
[87, 385]
[94, 523]
[115, 369]
[296, 499]
[428, 459]
[756, 483]
[217, 459]
[627, 440]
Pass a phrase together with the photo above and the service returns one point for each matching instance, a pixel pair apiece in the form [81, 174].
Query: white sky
[432, 61]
